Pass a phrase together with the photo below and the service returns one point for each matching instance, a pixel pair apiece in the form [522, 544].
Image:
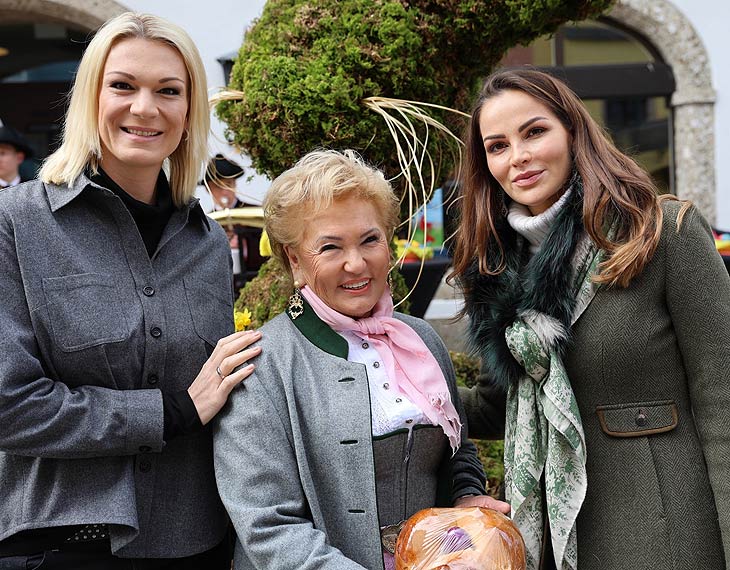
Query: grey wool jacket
[650, 368]
[92, 330]
[294, 455]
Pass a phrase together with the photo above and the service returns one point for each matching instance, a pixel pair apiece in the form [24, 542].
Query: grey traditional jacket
[649, 365]
[294, 454]
[91, 330]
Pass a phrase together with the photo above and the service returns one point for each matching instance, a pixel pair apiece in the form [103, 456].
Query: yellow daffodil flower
[242, 319]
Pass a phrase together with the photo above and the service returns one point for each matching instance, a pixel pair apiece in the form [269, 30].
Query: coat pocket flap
[638, 419]
[85, 310]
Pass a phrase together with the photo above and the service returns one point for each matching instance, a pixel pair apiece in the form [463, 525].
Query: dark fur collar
[544, 284]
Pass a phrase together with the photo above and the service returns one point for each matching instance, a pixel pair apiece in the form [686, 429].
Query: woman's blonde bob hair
[81, 145]
[312, 185]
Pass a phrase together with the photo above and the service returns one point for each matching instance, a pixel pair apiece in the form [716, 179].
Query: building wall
[710, 19]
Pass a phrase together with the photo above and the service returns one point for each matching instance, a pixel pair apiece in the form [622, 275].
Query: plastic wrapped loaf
[469, 538]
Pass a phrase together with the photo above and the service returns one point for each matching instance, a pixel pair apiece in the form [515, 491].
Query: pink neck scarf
[408, 361]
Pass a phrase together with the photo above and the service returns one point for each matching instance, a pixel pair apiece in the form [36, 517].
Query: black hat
[10, 136]
[219, 167]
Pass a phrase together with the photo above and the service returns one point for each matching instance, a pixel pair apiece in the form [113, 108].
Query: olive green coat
[650, 367]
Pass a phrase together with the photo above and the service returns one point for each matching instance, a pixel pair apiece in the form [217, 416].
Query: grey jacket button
[641, 418]
[156, 332]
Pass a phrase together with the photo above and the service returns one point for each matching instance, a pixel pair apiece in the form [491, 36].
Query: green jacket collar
[318, 332]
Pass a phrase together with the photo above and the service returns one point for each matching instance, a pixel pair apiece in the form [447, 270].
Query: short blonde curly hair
[311, 185]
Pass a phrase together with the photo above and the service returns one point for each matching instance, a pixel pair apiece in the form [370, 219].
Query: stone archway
[693, 102]
[75, 13]
[38, 35]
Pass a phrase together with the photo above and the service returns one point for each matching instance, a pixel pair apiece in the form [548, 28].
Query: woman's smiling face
[343, 256]
[143, 105]
[527, 147]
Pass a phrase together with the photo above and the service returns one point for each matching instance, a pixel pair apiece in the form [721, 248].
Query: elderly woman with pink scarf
[351, 421]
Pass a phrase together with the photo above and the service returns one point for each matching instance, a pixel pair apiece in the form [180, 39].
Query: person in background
[220, 178]
[603, 311]
[116, 331]
[14, 149]
[352, 423]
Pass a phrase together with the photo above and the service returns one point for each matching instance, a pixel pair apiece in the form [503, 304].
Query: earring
[297, 285]
[187, 134]
[390, 279]
[295, 305]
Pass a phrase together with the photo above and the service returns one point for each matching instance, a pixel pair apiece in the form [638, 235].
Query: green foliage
[491, 453]
[306, 65]
[466, 368]
[266, 295]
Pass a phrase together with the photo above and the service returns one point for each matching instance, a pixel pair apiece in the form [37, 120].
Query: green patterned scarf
[519, 324]
[544, 440]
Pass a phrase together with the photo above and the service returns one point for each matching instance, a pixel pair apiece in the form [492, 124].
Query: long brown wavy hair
[617, 191]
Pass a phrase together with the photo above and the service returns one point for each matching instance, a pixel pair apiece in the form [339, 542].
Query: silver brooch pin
[295, 306]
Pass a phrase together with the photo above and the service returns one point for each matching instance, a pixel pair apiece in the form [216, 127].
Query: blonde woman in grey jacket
[116, 322]
[603, 312]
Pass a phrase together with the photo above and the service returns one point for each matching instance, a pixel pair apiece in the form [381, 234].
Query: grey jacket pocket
[638, 419]
[85, 310]
[211, 309]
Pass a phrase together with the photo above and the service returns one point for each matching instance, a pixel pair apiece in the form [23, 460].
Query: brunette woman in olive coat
[603, 311]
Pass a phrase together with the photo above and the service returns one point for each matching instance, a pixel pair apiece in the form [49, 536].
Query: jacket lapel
[319, 333]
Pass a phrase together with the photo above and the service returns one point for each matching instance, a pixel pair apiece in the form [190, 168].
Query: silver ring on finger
[220, 374]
